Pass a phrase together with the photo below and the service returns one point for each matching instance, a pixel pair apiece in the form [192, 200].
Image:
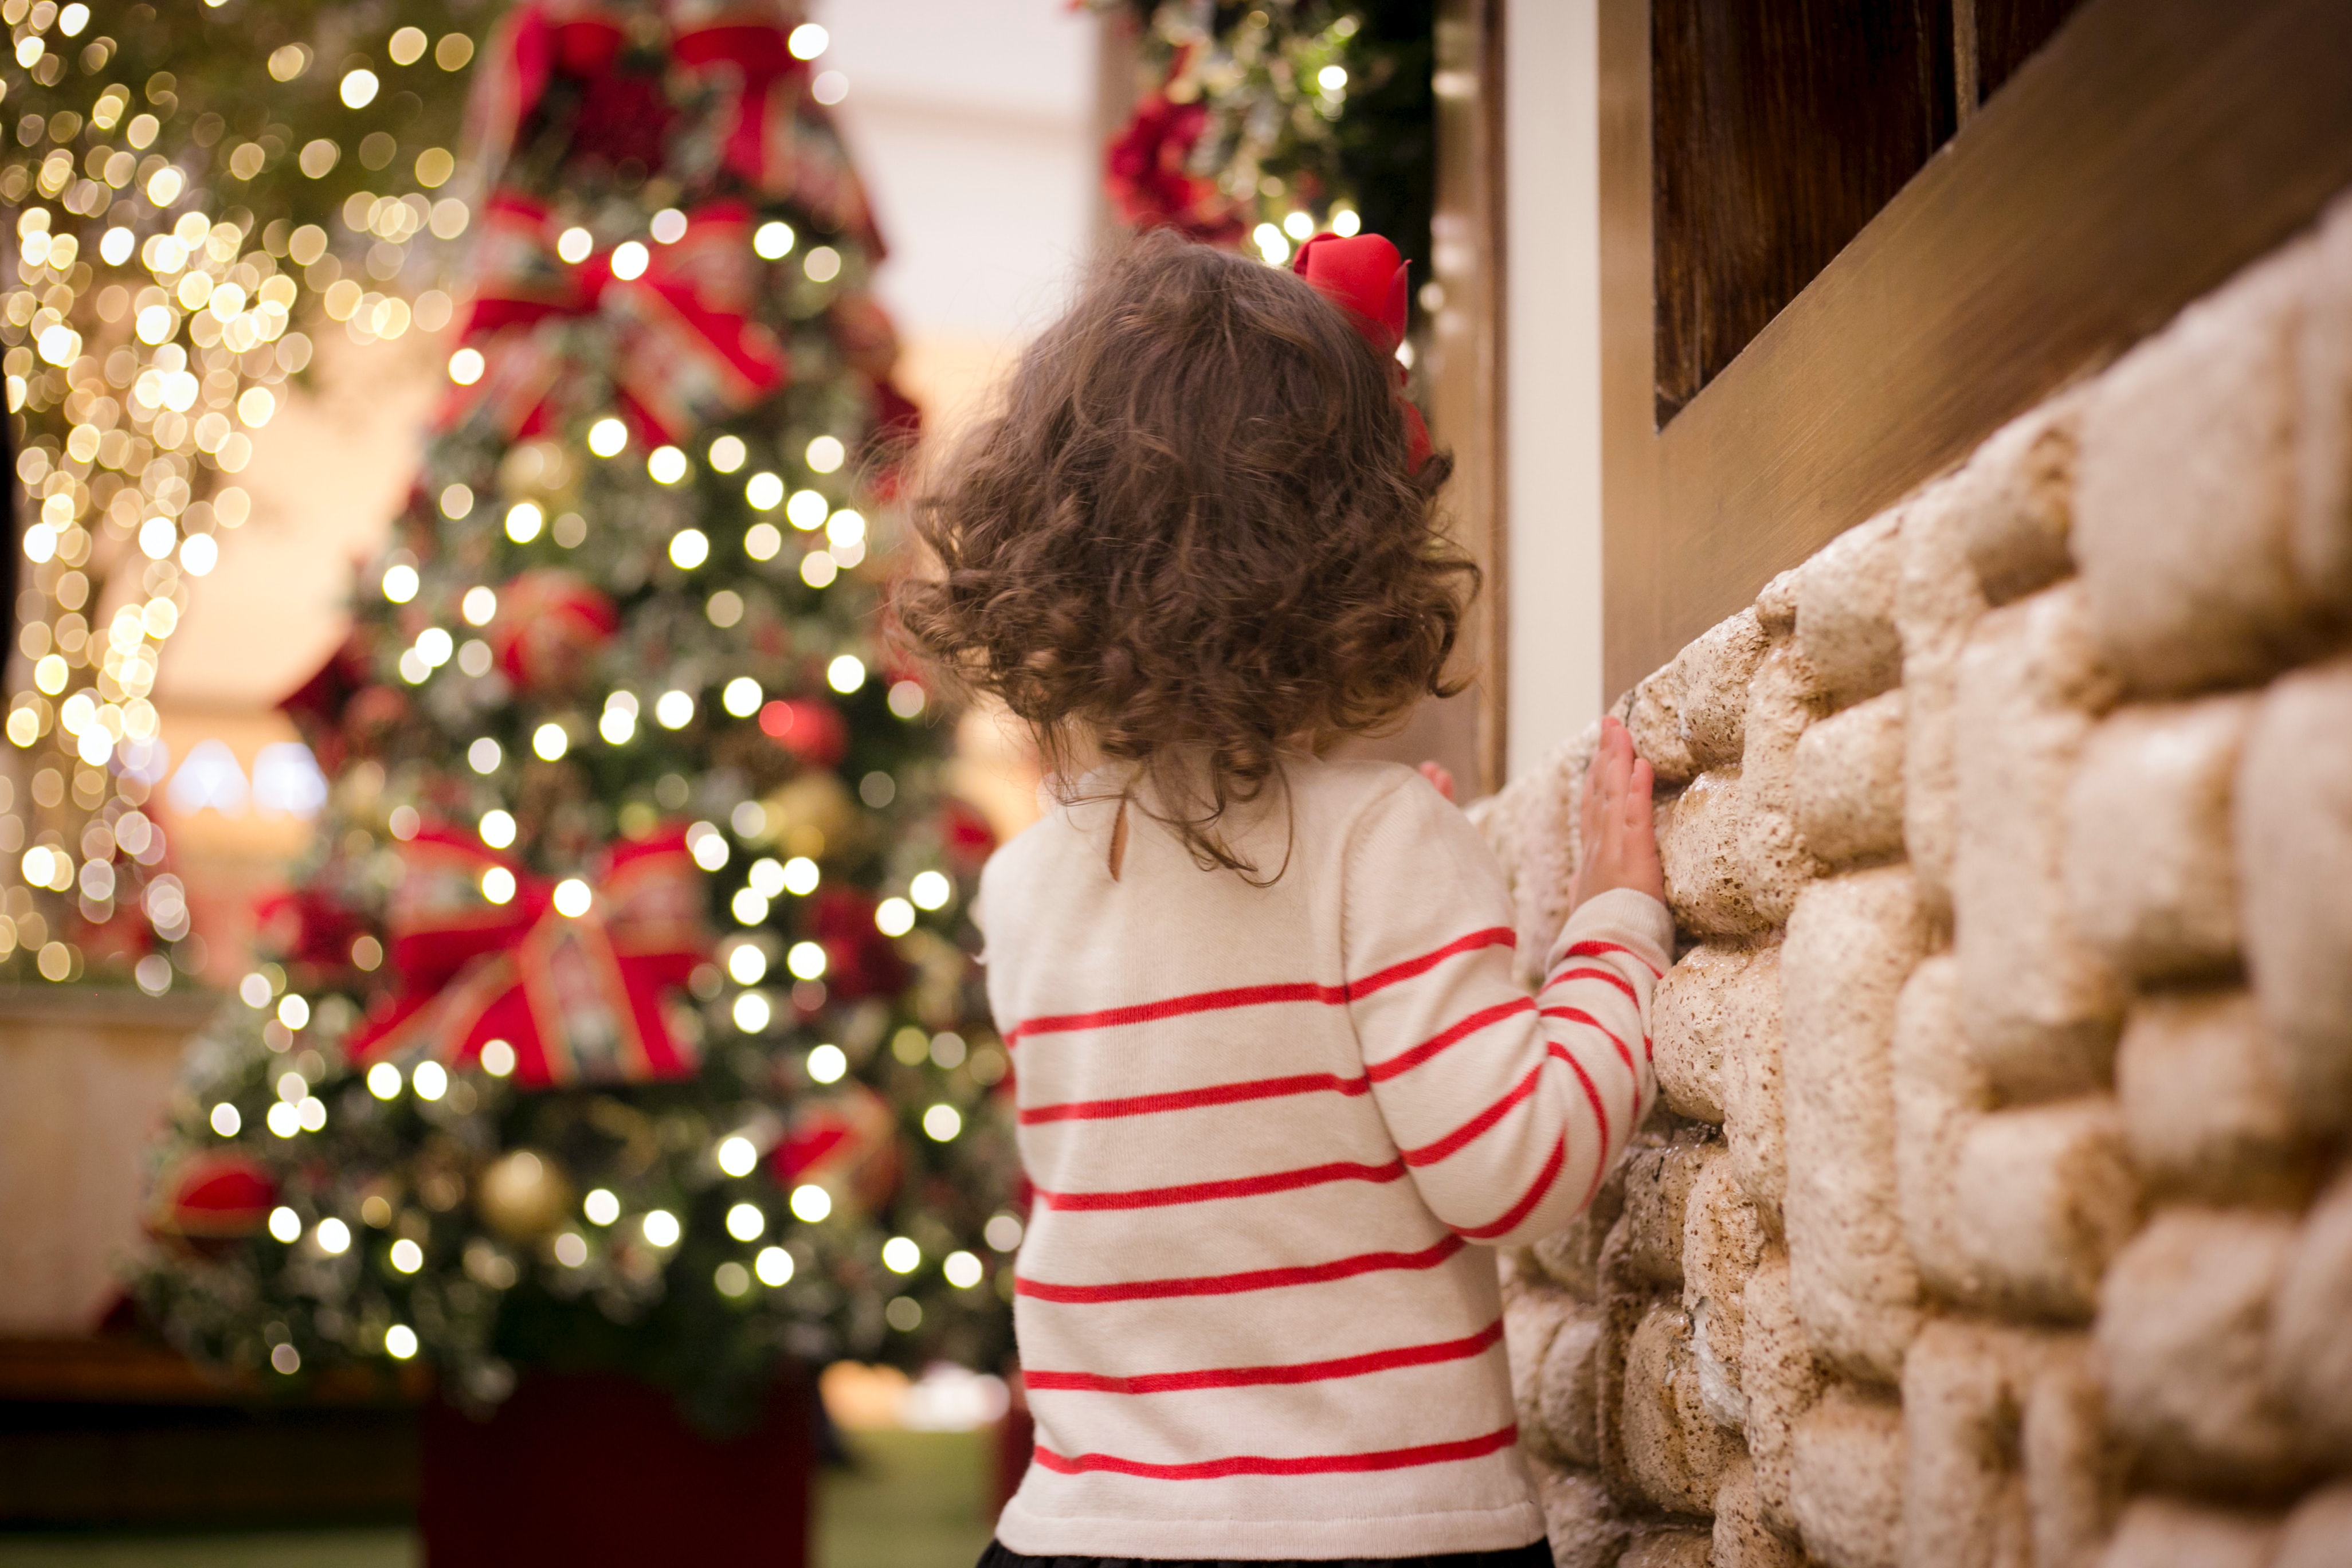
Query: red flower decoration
[859, 961]
[1145, 172]
[309, 927]
[811, 729]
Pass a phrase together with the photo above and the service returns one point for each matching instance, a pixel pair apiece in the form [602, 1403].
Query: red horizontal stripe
[1258, 995]
[1407, 1060]
[1235, 1284]
[1304, 1464]
[1519, 1211]
[1233, 1187]
[1578, 1015]
[1601, 949]
[1493, 936]
[1193, 1099]
[1568, 971]
[1259, 1376]
[1430, 1153]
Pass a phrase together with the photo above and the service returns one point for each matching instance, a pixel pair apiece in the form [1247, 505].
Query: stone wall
[1997, 1212]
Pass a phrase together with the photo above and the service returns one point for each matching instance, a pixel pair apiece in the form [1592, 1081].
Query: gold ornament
[811, 815]
[523, 1194]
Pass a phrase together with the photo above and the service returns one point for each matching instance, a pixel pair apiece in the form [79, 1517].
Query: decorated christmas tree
[621, 1014]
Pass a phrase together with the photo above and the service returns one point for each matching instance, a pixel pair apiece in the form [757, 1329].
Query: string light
[827, 1063]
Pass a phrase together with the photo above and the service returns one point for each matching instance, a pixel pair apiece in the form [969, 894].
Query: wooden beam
[2149, 151]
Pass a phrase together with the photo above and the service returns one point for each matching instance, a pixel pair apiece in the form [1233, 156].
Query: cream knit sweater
[1265, 1126]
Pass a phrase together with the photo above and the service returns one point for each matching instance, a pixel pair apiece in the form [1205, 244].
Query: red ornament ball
[549, 627]
[811, 729]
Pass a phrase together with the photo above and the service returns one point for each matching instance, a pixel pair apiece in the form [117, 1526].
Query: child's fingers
[1639, 791]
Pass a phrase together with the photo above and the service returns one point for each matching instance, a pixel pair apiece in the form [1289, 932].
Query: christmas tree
[504, 1098]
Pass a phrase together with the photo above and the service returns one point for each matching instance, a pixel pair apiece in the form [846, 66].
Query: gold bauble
[813, 815]
[523, 1194]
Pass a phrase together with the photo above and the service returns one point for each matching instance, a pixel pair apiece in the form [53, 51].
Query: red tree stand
[596, 1469]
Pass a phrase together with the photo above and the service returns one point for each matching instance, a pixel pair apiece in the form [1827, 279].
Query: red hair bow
[1363, 275]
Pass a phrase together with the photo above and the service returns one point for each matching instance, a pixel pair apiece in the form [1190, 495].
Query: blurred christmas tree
[191, 185]
[1267, 122]
[501, 1100]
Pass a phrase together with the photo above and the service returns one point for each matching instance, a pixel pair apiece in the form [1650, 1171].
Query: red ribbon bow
[1364, 277]
[579, 997]
[688, 351]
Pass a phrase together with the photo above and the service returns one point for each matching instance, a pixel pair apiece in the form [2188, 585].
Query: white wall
[1551, 97]
[972, 123]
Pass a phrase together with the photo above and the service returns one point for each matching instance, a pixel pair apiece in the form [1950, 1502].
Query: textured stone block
[1571, 1258]
[1780, 1380]
[1775, 865]
[1653, 720]
[1674, 1452]
[1717, 668]
[1666, 1546]
[1940, 1094]
[2014, 501]
[1530, 824]
[2311, 1343]
[1688, 1015]
[1724, 1239]
[1742, 1539]
[2150, 866]
[2206, 1112]
[1568, 1390]
[1851, 943]
[1699, 851]
[1964, 1502]
[1752, 1126]
[2165, 1532]
[2318, 1533]
[1776, 604]
[1582, 1521]
[2041, 1197]
[1849, 782]
[2295, 857]
[1846, 1480]
[2188, 492]
[2184, 1328]
[1845, 612]
[2038, 1004]
[1937, 602]
[2073, 1473]
[1645, 1249]
[1531, 1319]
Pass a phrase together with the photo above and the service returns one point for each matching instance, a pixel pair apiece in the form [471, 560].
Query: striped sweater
[1264, 1128]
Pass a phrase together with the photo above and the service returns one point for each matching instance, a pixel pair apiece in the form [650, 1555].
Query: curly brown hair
[1191, 538]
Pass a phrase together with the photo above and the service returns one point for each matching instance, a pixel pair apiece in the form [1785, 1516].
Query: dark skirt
[1535, 1554]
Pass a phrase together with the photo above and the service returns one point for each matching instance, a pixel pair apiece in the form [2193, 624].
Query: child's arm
[1509, 1110]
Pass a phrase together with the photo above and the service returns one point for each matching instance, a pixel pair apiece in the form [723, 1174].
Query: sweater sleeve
[1508, 1109]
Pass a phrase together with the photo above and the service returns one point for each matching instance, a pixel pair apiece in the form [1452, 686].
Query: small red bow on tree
[688, 351]
[1363, 275]
[578, 995]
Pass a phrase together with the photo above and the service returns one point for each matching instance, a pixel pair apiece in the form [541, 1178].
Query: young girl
[1278, 1092]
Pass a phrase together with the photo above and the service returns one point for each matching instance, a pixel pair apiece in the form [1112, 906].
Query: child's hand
[1440, 778]
[1618, 836]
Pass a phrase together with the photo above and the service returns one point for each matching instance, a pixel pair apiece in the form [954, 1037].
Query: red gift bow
[578, 997]
[689, 351]
[1363, 276]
